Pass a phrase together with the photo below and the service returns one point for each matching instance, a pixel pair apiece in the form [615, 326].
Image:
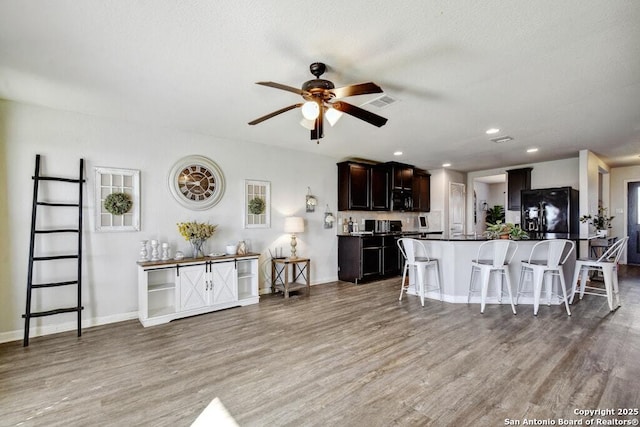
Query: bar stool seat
[546, 260]
[607, 264]
[494, 256]
[415, 256]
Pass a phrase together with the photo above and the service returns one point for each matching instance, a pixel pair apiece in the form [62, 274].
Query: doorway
[633, 222]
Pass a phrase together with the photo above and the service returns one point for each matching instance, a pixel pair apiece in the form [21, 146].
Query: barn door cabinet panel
[169, 290]
[517, 180]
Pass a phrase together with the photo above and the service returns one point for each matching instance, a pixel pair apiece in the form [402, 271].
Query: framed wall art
[196, 182]
[117, 199]
[257, 204]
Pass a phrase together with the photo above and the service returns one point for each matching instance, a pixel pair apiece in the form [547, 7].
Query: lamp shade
[293, 224]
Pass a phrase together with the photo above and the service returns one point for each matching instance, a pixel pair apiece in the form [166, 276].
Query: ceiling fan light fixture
[308, 124]
[332, 116]
[310, 110]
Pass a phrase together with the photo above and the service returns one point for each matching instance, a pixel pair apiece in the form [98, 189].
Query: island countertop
[454, 255]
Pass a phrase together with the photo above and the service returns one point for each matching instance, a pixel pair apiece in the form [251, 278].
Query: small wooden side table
[301, 269]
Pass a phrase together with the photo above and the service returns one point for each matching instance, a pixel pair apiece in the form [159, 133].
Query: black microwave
[401, 200]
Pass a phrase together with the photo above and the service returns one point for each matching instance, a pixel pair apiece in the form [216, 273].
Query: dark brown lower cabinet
[364, 258]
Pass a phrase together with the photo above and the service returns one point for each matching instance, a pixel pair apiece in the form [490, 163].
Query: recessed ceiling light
[532, 150]
[446, 165]
[397, 153]
[492, 131]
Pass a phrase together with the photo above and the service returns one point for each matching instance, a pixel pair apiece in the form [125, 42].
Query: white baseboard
[38, 331]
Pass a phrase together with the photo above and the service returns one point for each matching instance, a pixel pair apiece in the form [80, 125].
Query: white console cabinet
[169, 290]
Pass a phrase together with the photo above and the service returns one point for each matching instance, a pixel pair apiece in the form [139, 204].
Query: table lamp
[293, 225]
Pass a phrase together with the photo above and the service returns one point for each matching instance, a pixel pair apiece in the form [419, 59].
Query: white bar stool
[494, 256]
[546, 260]
[607, 264]
[415, 255]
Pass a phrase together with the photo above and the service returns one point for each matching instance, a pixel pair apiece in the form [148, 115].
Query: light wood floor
[345, 356]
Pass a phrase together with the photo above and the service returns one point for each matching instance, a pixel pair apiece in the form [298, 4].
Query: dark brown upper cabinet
[517, 180]
[354, 186]
[380, 192]
[421, 191]
[401, 176]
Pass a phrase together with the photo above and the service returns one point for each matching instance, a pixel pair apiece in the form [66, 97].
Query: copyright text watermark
[584, 417]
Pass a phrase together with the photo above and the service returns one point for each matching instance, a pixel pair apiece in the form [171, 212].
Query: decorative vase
[602, 233]
[196, 247]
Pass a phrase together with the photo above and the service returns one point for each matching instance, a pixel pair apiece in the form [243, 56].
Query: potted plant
[517, 233]
[506, 230]
[498, 230]
[495, 214]
[600, 221]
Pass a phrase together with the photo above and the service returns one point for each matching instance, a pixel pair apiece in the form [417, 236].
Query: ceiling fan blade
[275, 113]
[359, 89]
[283, 87]
[318, 131]
[360, 113]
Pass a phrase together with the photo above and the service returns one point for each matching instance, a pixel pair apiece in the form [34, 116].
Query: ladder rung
[74, 205]
[56, 311]
[59, 230]
[48, 258]
[55, 178]
[54, 284]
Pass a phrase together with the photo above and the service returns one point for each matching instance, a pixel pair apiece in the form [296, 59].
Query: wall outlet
[619, 211]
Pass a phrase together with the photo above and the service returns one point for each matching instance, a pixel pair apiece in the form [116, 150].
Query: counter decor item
[600, 221]
[144, 254]
[196, 233]
[165, 252]
[231, 249]
[505, 230]
[155, 255]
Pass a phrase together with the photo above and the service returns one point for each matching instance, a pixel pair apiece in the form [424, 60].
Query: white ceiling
[558, 75]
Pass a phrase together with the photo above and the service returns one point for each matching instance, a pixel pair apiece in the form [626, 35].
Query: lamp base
[294, 243]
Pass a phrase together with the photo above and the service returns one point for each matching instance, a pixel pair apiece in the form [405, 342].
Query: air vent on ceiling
[502, 139]
[382, 101]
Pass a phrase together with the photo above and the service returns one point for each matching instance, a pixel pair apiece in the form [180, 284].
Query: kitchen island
[455, 254]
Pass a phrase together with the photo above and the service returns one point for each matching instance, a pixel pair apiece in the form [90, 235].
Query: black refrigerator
[550, 210]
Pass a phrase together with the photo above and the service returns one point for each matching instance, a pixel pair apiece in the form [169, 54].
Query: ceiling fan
[321, 98]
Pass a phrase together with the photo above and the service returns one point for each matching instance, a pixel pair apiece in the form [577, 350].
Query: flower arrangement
[601, 221]
[196, 230]
[506, 230]
[118, 203]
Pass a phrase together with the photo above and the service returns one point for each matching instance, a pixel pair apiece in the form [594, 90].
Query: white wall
[110, 275]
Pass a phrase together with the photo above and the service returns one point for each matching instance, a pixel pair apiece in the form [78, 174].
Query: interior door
[633, 223]
[456, 208]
